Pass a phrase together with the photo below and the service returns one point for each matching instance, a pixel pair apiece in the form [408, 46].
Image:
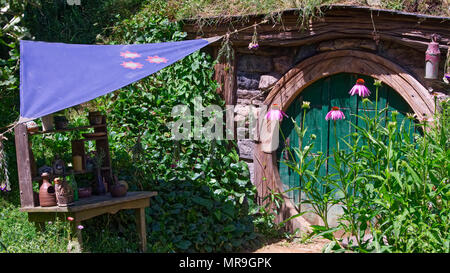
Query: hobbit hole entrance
[322, 95]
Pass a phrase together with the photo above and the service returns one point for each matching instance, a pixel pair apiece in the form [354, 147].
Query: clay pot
[118, 190]
[32, 126]
[47, 195]
[84, 192]
[64, 193]
[58, 166]
[123, 182]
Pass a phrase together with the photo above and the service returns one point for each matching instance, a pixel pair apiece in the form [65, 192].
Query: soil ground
[295, 246]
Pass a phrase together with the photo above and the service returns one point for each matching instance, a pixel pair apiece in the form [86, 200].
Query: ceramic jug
[47, 196]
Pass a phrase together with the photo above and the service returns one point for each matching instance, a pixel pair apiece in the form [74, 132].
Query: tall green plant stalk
[394, 189]
[308, 166]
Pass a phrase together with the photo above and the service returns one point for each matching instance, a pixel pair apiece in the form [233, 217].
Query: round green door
[324, 94]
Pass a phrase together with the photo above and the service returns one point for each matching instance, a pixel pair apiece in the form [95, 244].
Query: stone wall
[259, 70]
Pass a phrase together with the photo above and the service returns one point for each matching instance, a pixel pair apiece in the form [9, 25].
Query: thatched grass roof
[182, 9]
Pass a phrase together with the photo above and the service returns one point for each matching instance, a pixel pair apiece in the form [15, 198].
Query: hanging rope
[226, 47]
[375, 35]
[10, 128]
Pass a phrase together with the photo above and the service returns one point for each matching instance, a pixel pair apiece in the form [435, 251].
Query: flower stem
[376, 102]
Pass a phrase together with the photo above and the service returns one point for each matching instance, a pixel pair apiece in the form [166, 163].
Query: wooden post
[23, 166]
[141, 228]
[225, 75]
[76, 240]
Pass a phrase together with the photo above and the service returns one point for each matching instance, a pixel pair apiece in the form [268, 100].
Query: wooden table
[86, 208]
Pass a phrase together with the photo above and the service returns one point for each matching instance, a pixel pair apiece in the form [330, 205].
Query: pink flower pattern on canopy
[275, 114]
[156, 59]
[128, 54]
[360, 89]
[335, 114]
[131, 65]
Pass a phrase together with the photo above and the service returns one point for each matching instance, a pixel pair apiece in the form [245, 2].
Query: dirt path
[283, 246]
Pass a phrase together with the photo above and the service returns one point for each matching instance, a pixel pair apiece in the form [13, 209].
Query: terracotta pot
[84, 192]
[47, 195]
[118, 190]
[32, 126]
[123, 182]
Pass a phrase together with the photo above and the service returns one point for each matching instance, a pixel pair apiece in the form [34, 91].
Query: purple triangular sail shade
[55, 76]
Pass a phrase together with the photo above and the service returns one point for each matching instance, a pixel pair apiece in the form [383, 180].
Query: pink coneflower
[335, 114]
[360, 89]
[275, 114]
[70, 218]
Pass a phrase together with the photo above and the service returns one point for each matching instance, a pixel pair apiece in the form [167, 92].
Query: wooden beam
[225, 75]
[413, 31]
[24, 166]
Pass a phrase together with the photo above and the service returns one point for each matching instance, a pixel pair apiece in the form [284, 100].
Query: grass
[18, 235]
[181, 9]
[103, 234]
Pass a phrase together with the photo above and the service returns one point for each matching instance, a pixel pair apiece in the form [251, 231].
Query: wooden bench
[93, 206]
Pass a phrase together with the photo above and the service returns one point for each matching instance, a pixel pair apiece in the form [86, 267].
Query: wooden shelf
[69, 172]
[93, 138]
[67, 129]
[94, 202]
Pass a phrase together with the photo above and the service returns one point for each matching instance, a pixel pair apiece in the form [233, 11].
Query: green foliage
[389, 186]
[205, 197]
[11, 30]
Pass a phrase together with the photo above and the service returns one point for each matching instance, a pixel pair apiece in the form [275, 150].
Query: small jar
[77, 161]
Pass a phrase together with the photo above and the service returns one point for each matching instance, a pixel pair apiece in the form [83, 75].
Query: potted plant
[118, 189]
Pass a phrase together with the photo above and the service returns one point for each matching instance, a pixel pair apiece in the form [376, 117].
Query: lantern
[432, 56]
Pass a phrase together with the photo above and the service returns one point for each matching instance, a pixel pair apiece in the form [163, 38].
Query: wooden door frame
[315, 68]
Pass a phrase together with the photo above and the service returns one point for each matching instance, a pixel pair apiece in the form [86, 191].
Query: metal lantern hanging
[432, 56]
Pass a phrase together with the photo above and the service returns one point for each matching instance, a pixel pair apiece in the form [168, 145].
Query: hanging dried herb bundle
[226, 51]
[4, 178]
